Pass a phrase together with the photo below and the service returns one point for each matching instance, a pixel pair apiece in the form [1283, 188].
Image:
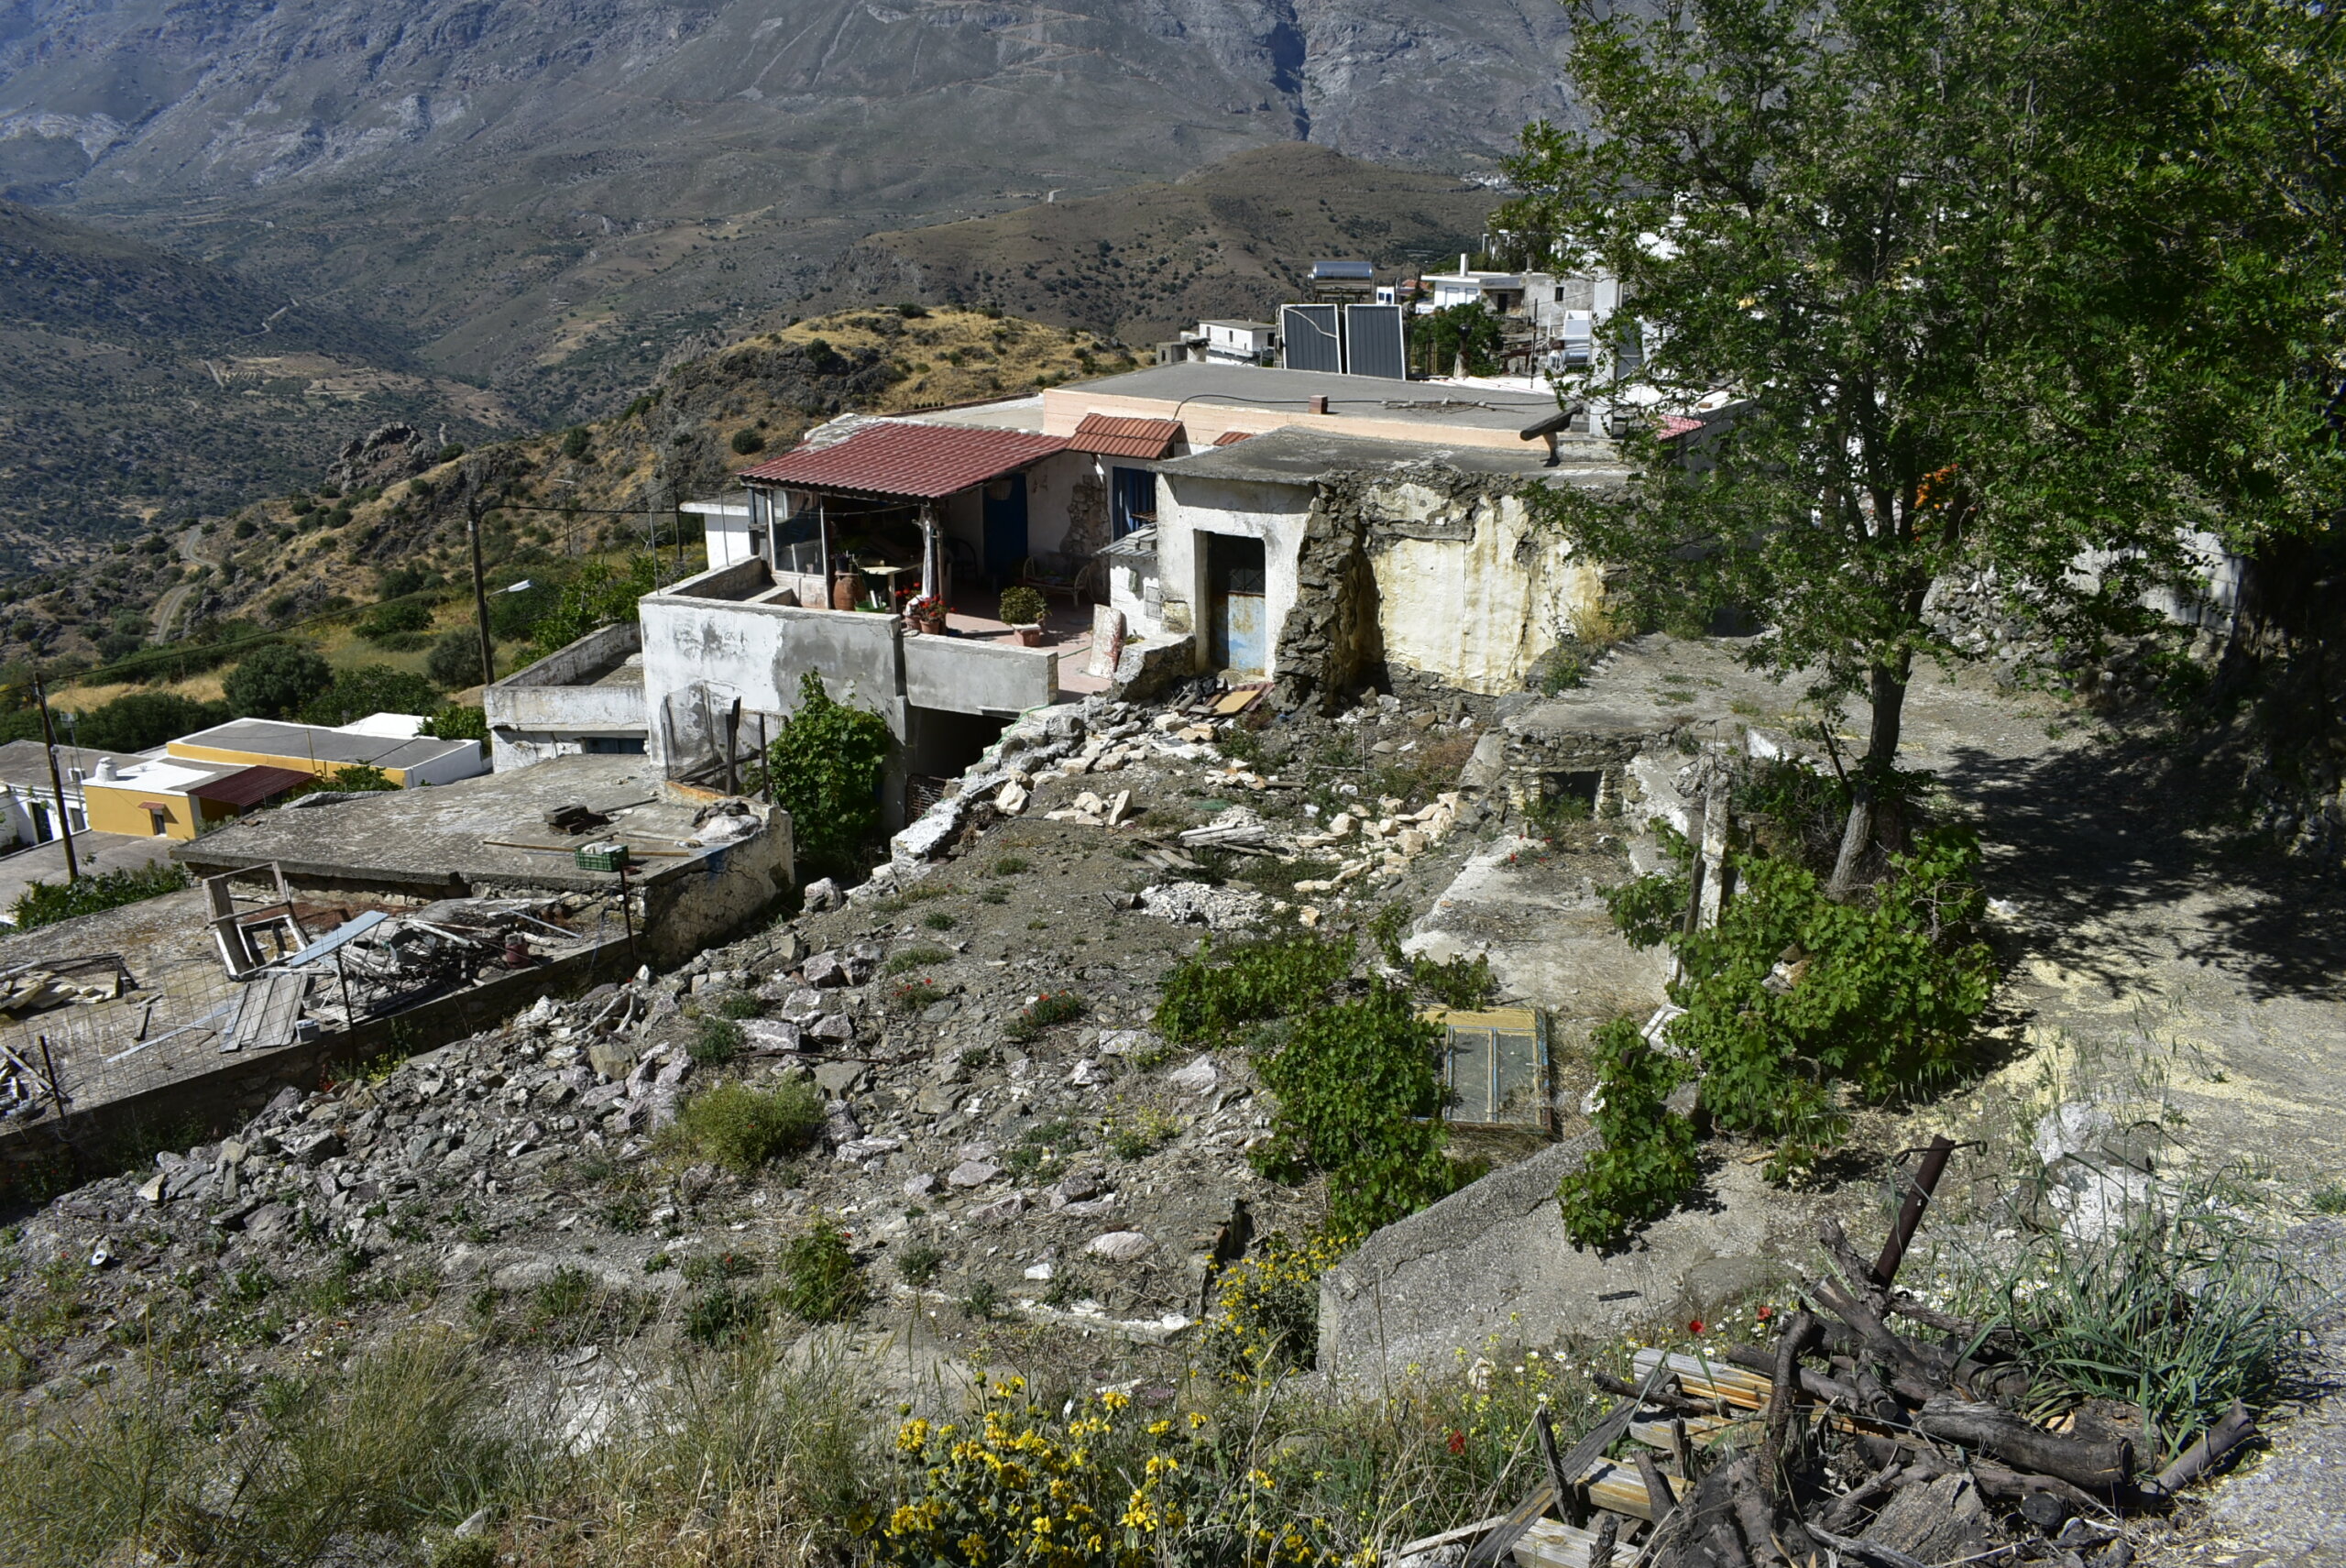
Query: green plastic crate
[594, 858]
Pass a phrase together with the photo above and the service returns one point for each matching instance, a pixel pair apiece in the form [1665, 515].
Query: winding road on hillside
[174, 599]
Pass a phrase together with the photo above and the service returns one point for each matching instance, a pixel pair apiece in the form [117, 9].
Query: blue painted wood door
[1005, 530]
[1237, 637]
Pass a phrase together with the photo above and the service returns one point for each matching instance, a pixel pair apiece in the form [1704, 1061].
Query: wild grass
[743, 1128]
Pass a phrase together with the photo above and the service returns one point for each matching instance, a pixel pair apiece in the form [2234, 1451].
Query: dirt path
[168, 607]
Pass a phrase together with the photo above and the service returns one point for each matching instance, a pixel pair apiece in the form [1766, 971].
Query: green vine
[827, 766]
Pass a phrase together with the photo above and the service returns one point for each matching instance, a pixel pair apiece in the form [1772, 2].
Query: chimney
[1462, 264]
[1320, 404]
[105, 770]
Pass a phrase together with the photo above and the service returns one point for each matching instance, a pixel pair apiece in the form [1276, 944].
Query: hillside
[549, 195]
[1235, 238]
[140, 384]
[392, 521]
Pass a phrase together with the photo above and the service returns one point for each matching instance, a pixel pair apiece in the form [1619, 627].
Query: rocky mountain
[142, 384]
[543, 195]
[1233, 238]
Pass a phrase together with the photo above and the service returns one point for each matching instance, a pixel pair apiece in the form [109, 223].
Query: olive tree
[2031, 293]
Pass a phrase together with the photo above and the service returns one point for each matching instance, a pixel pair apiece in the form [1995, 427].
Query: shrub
[277, 681]
[746, 441]
[1212, 992]
[1022, 607]
[827, 766]
[721, 1314]
[387, 621]
[1140, 1137]
[371, 688]
[1265, 1317]
[912, 959]
[825, 1284]
[1007, 865]
[455, 659]
[575, 441]
[47, 902]
[139, 721]
[915, 995]
[599, 595]
[1050, 1008]
[457, 721]
[1647, 1163]
[741, 1004]
[939, 920]
[741, 1128]
[919, 1264]
[717, 1042]
[352, 778]
[1360, 1099]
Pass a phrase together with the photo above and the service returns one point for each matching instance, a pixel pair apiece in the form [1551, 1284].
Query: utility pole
[57, 784]
[480, 585]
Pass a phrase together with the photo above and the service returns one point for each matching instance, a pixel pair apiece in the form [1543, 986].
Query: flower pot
[1028, 636]
[844, 589]
[932, 624]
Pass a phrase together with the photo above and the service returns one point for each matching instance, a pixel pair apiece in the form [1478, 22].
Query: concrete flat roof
[1011, 413]
[269, 738]
[25, 764]
[1424, 403]
[1297, 456]
[461, 832]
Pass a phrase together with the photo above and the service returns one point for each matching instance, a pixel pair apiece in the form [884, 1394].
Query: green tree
[598, 595]
[455, 659]
[2005, 286]
[138, 721]
[276, 681]
[371, 688]
[1464, 335]
[826, 765]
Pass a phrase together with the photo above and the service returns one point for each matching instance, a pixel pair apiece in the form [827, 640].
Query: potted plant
[926, 613]
[1022, 609]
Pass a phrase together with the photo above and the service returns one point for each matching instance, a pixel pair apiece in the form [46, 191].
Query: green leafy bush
[746, 441]
[1265, 1317]
[1050, 1008]
[741, 1128]
[277, 681]
[722, 1314]
[1647, 1163]
[371, 688]
[1360, 1099]
[717, 1042]
[1213, 990]
[352, 778]
[457, 721]
[455, 659]
[398, 618]
[827, 766]
[47, 902]
[599, 595]
[576, 441]
[139, 721]
[919, 1264]
[824, 1283]
[1022, 607]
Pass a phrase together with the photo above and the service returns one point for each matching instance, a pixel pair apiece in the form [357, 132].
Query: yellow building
[162, 797]
[384, 741]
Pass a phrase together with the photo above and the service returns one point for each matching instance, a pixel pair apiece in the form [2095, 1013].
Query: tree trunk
[1888, 695]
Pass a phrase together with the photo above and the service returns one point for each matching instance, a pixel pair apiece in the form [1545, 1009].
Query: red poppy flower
[1694, 1327]
[1457, 1441]
[1767, 1313]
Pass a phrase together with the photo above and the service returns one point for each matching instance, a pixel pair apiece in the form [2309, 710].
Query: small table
[887, 576]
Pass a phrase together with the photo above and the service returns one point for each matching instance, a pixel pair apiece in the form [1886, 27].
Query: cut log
[1910, 1212]
[1816, 1385]
[2101, 1467]
[1782, 1394]
[1660, 1399]
[2236, 1428]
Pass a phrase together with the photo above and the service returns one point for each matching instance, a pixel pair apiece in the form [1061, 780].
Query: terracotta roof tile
[1672, 426]
[1233, 437]
[926, 462]
[249, 787]
[1113, 436]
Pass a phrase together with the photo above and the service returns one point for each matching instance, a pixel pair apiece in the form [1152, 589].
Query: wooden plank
[1707, 1378]
[272, 1004]
[1656, 1435]
[1617, 1488]
[1549, 1544]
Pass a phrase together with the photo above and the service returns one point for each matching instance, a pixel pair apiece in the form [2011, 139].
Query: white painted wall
[1273, 513]
[1467, 612]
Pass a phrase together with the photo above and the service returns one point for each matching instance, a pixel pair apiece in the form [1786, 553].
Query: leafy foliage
[139, 721]
[455, 659]
[371, 688]
[352, 778]
[1974, 272]
[277, 681]
[601, 595]
[457, 721]
[1265, 1317]
[398, 618]
[1213, 990]
[741, 1128]
[1647, 1163]
[47, 902]
[823, 1283]
[827, 766]
[1051, 1007]
[1471, 333]
[1360, 1099]
[1022, 607]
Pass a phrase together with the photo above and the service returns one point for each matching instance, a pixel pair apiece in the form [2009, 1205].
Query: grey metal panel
[1309, 333]
[1373, 342]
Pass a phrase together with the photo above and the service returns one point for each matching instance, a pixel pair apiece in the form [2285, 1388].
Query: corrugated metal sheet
[921, 462]
[249, 787]
[1109, 435]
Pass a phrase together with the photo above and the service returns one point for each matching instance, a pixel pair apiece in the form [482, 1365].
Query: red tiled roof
[1675, 426]
[249, 787]
[1111, 436]
[924, 462]
[1233, 437]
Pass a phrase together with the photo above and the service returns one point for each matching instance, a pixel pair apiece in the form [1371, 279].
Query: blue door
[1132, 503]
[1236, 631]
[1005, 528]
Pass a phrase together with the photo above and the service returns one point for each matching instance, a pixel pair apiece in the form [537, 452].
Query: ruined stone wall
[1428, 569]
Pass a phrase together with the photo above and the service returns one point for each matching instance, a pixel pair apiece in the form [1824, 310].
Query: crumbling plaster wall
[1278, 514]
[757, 652]
[1442, 572]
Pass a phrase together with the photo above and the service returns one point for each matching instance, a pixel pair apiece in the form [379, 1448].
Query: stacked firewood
[1798, 1454]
